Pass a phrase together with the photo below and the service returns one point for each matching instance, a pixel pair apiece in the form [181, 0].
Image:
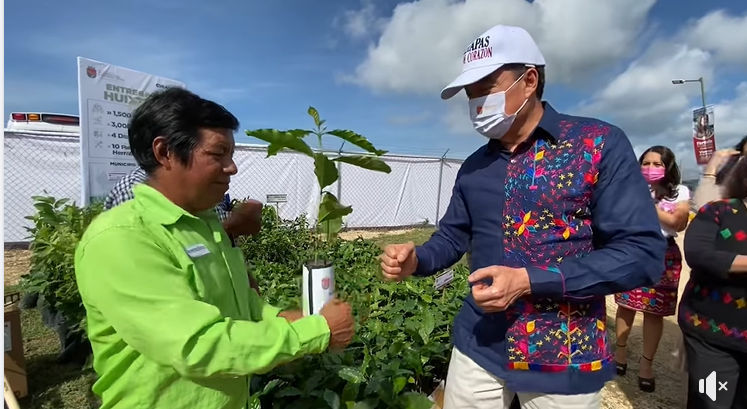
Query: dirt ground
[622, 393]
[16, 264]
[372, 234]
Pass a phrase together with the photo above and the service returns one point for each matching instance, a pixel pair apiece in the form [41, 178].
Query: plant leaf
[414, 400]
[299, 133]
[350, 392]
[314, 114]
[288, 391]
[280, 140]
[351, 374]
[325, 170]
[366, 162]
[332, 399]
[426, 328]
[357, 140]
[366, 404]
[270, 386]
[331, 212]
[399, 384]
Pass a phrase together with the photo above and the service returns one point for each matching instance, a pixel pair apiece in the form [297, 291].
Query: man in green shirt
[172, 320]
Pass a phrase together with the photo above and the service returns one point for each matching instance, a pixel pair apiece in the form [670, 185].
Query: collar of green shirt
[161, 210]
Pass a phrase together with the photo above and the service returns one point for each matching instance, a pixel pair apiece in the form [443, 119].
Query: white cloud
[420, 47]
[723, 34]
[642, 99]
[361, 23]
[652, 111]
[731, 117]
[584, 42]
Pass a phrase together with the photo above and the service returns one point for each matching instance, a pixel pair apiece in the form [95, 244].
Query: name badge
[444, 279]
[197, 250]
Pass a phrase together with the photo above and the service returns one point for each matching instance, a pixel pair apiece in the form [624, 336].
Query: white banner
[107, 95]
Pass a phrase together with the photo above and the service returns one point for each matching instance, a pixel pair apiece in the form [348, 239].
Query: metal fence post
[438, 194]
[339, 174]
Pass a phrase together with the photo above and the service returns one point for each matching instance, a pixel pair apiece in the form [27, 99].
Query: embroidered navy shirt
[571, 206]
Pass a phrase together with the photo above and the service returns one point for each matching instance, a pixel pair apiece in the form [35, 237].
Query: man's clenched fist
[245, 219]
[399, 261]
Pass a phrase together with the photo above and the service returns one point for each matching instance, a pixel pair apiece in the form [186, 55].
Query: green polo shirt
[172, 320]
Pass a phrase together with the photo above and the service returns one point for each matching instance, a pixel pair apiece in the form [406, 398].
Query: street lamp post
[702, 88]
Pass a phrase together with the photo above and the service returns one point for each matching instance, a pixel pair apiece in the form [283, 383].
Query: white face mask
[489, 115]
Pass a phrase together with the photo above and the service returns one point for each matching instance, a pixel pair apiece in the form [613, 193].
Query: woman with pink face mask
[671, 199]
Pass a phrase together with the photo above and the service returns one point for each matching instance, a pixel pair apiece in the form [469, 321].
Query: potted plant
[318, 284]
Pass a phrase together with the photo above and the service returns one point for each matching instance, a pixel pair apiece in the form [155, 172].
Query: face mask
[489, 116]
[652, 174]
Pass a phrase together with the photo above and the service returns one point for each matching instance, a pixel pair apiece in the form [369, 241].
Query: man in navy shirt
[556, 215]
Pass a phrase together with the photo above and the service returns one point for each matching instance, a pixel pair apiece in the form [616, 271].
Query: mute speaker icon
[708, 386]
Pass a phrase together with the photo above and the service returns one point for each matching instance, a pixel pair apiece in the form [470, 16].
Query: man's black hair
[735, 185]
[177, 115]
[519, 69]
[722, 173]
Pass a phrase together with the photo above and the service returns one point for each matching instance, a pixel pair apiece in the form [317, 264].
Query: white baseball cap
[495, 48]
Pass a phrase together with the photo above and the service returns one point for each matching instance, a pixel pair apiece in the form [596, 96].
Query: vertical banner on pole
[704, 140]
[107, 95]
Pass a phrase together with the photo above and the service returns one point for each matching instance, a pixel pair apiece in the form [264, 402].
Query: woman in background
[713, 311]
[659, 168]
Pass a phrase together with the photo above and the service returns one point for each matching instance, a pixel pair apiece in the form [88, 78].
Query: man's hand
[254, 284]
[509, 284]
[719, 159]
[341, 323]
[399, 261]
[291, 315]
[245, 219]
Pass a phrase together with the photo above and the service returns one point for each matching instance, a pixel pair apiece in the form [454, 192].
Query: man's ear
[531, 81]
[161, 152]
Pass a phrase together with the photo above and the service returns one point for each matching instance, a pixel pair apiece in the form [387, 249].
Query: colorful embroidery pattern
[661, 299]
[547, 218]
[715, 295]
[708, 324]
[738, 235]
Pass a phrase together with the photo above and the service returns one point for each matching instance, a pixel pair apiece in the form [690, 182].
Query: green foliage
[402, 342]
[401, 347]
[57, 228]
[331, 211]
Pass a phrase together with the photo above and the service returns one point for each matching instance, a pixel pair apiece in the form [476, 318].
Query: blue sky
[357, 61]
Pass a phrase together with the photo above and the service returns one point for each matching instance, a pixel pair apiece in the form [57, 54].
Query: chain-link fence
[415, 193]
